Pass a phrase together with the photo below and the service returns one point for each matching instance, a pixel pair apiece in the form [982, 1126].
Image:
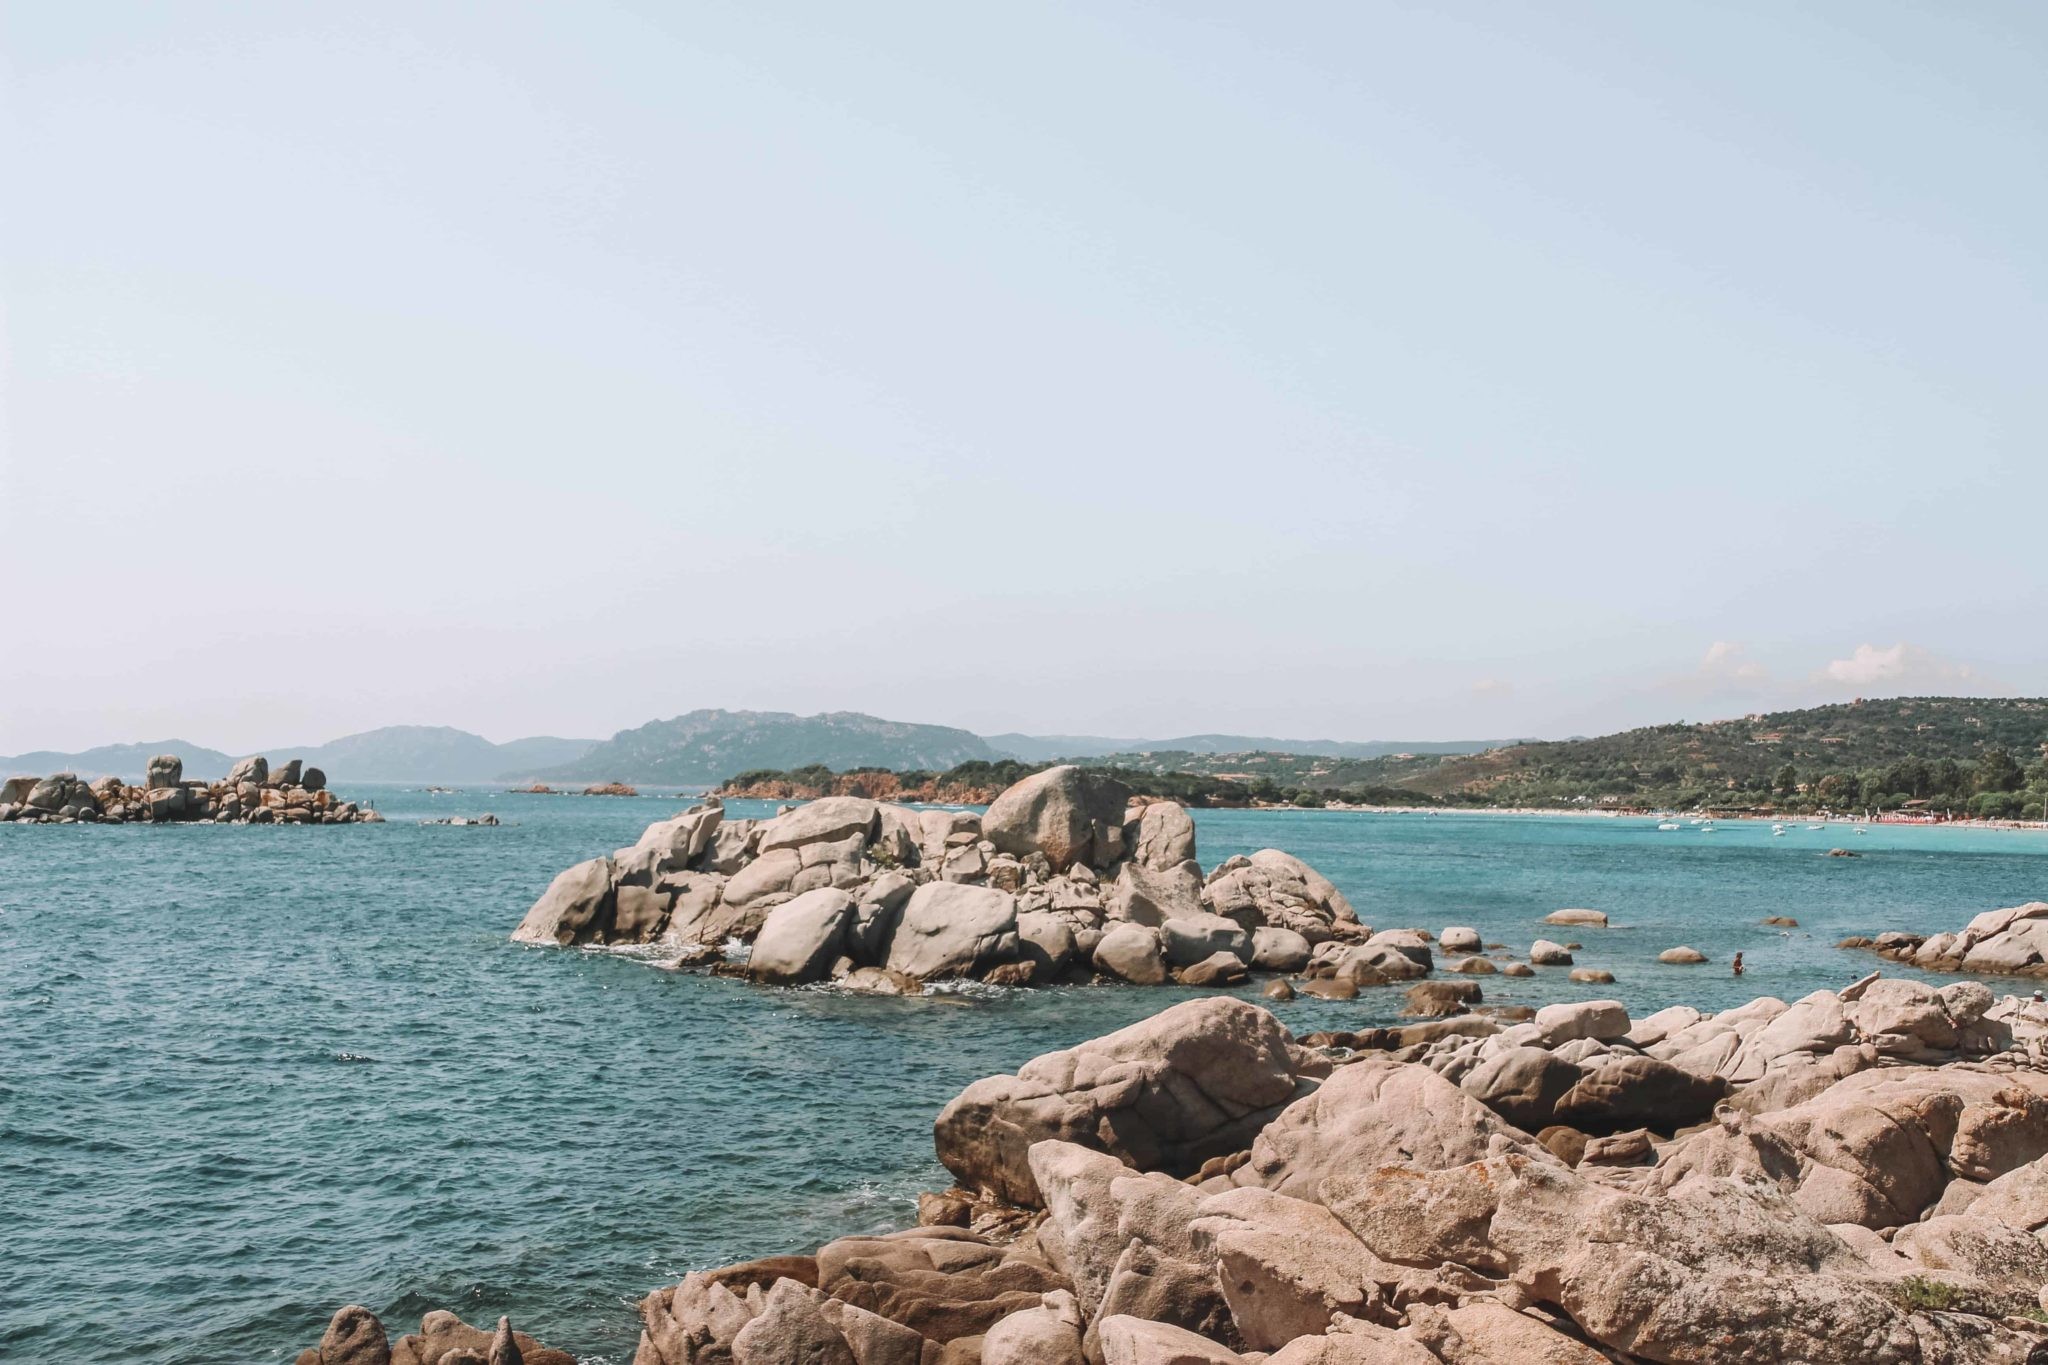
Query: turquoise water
[250, 1074]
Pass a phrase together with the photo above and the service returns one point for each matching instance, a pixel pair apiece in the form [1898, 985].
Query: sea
[251, 1074]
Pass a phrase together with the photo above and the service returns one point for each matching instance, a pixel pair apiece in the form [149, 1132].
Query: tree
[1788, 781]
[1998, 771]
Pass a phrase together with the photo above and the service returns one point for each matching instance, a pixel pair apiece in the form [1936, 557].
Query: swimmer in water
[1738, 964]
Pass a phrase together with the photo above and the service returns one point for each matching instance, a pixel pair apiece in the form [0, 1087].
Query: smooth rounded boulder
[576, 908]
[826, 820]
[1190, 939]
[1459, 940]
[1682, 956]
[1522, 1085]
[1192, 1082]
[801, 939]
[1279, 950]
[1162, 836]
[1069, 815]
[1131, 952]
[953, 929]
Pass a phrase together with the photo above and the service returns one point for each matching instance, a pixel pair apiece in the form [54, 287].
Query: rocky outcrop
[1064, 879]
[1775, 1183]
[1193, 1082]
[355, 1336]
[251, 795]
[2010, 942]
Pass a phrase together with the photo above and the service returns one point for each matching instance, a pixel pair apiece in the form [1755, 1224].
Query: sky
[1356, 370]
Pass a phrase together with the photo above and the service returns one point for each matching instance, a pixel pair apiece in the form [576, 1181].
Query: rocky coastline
[1853, 1177]
[253, 793]
[1065, 879]
[2009, 942]
[356, 1336]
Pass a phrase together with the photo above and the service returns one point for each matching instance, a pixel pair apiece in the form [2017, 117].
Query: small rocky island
[1063, 879]
[2009, 942]
[252, 794]
[1854, 1178]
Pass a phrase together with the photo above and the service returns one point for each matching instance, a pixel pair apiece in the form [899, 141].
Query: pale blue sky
[1361, 370]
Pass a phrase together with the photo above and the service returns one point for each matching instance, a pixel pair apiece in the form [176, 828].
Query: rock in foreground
[1851, 1178]
[355, 1336]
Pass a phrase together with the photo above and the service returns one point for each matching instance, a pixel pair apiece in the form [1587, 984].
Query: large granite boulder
[1069, 815]
[1049, 1334]
[1126, 1240]
[1277, 889]
[165, 770]
[801, 939]
[1146, 895]
[1162, 837]
[1278, 950]
[1371, 1113]
[951, 929]
[1131, 952]
[1193, 1082]
[577, 907]
[1522, 1085]
[679, 842]
[1189, 940]
[829, 819]
[1722, 1271]
[942, 1283]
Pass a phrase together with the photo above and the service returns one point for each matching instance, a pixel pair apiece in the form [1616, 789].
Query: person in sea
[1738, 964]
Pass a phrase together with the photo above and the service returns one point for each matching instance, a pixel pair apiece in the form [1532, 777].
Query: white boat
[1669, 824]
[1816, 826]
[1777, 831]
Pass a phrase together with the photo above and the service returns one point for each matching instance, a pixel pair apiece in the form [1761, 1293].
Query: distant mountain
[705, 747]
[520, 758]
[433, 753]
[396, 753]
[1042, 748]
[129, 761]
[1045, 748]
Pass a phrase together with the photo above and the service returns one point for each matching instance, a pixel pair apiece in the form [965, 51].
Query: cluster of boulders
[1857, 1177]
[355, 1336]
[253, 794]
[2009, 942]
[1064, 878]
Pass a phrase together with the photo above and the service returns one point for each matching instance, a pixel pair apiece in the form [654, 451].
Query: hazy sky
[1354, 370]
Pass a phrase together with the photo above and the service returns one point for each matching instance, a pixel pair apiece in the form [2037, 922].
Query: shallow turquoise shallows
[249, 1074]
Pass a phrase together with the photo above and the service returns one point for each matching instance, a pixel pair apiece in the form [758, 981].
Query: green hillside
[1982, 756]
[703, 747]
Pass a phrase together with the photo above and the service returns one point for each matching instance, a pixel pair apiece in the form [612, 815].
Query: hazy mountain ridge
[120, 760]
[707, 746]
[1044, 748]
[394, 753]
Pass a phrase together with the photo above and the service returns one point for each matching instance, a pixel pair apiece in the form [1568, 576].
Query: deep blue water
[250, 1074]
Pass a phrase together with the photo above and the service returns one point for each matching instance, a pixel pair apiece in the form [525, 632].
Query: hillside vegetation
[974, 783]
[1957, 755]
[1967, 755]
[702, 747]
